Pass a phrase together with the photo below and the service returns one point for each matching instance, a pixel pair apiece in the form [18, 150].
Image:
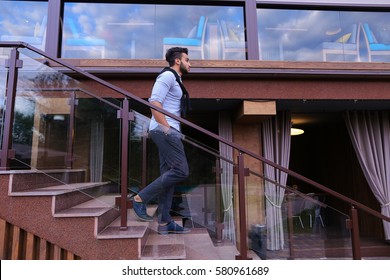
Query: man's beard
[183, 70]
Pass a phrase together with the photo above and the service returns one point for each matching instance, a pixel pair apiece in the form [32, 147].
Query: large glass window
[24, 21]
[316, 35]
[146, 31]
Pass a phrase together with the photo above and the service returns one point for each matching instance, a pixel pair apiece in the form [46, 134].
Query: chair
[347, 44]
[299, 219]
[230, 42]
[297, 205]
[315, 210]
[374, 48]
[193, 43]
[79, 43]
[38, 40]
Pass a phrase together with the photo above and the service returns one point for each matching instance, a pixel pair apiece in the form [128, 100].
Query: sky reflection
[137, 30]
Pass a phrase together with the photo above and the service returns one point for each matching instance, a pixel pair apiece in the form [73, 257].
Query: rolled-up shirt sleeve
[168, 93]
[160, 89]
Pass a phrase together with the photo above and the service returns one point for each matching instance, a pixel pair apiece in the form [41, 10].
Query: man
[168, 94]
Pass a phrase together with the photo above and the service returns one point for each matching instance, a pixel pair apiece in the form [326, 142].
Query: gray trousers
[173, 170]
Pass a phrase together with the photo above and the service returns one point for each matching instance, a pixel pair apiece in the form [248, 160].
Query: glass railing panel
[296, 224]
[196, 195]
[41, 120]
[200, 187]
[96, 143]
[41, 116]
[55, 113]
[139, 150]
[65, 123]
[66, 130]
[197, 201]
[85, 134]
[316, 230]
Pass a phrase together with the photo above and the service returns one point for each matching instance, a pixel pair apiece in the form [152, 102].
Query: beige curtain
[225, 131]
[370, 135]
[96, 150]
[276, 148]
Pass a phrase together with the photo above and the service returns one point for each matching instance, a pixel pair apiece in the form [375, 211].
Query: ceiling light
[58, 117]
[296, 131]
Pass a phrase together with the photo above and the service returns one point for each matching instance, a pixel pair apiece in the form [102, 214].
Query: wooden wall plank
[69, 255]
[14, 239]
[30, 246]
[16, 231]
[4, 236]
[43, 249]
[56, 252]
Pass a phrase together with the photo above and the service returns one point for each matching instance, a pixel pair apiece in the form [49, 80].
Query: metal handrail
[354, 204]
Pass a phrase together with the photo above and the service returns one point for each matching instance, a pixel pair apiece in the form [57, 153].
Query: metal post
[144, 160]
[251, 32]
[126, 116]
[13, 63]
[73, 102]
[354, 225]
[290, 227]
[205, 208]
[218, 224]
[242, 172]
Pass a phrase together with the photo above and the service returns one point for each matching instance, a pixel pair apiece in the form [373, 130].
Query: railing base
[129, 203]
[239, 257]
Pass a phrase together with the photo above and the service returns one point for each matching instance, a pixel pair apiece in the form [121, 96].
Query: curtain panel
[276, 147]
[96, 150]
[370, 135]
[225, 130]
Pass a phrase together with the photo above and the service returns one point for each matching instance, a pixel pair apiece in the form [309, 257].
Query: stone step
[57, 189]
[92, 208]
[195, 245]
[135, 228]
[163, 246]
[24, 180]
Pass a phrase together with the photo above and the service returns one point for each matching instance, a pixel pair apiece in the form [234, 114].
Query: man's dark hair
[173, 53]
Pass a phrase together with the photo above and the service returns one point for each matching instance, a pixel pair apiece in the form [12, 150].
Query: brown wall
[263, 88]
[254, 79]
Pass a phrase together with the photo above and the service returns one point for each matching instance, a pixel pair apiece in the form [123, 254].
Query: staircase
[77, 216]
[82, 218]
[41, 218]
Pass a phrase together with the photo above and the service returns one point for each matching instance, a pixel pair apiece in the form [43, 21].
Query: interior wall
[249, 136]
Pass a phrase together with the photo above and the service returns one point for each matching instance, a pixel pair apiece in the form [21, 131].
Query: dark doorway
[325, 154]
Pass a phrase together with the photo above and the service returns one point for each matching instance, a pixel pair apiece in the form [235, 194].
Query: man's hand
[160, 117]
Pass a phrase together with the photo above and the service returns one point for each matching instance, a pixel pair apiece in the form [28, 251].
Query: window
[95, 30]
[318, 35]
[24, 21]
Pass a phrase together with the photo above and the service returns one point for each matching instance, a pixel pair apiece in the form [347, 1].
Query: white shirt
[167, 91]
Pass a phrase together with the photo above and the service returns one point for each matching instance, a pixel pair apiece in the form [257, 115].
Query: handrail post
[144, 162]
[13, 63]
[354, 226]
[126, 116]
[242, 172]
[290, 227]
[73, 102]
[218, 223]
